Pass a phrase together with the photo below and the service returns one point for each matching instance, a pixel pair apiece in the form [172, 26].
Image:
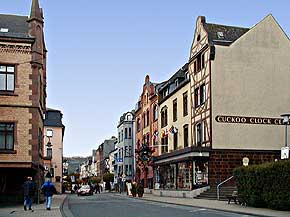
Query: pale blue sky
[100, 51]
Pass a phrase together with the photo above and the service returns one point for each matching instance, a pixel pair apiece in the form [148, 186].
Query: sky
[99, 53]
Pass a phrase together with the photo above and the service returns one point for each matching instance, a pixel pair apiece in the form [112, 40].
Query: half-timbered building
[239, 85]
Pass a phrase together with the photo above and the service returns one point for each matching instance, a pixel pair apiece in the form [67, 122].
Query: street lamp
[286, 118]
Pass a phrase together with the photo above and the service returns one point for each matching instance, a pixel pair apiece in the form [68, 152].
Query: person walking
[28, 191]
[48, 190]
[98, 188]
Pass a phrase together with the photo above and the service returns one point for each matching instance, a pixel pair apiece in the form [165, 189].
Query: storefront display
[167, 176]
[184, 175]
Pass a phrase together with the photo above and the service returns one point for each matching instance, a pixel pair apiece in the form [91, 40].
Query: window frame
[202, 93]
[175, 141]
[185, 104]
[6, 73]
[185, 136]
[7, 133]
[164, 117]
[174, 106]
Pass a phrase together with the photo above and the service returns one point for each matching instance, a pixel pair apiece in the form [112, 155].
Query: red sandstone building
[22, 101]
[146, 119]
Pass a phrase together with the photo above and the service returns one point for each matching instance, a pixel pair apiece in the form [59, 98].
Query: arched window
[164, 116]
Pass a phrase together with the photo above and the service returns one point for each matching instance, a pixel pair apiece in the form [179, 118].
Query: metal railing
[218, 186]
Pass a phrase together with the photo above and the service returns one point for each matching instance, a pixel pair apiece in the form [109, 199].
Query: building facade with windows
[53, 146]
[178, 165]
[125, 159]
[239, 84]
[146, 119]
[22, 101]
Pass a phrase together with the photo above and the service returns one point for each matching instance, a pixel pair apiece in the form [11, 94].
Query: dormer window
[176, 82]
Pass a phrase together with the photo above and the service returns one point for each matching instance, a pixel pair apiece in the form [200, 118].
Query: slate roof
[17, 26]
[53, 118]
[230, 33]
[179, 74]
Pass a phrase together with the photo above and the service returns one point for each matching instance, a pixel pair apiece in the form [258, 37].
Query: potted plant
[134, 189]
[140, 190]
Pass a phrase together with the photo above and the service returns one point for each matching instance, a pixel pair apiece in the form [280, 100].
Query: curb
[238, 212]
[64, 208]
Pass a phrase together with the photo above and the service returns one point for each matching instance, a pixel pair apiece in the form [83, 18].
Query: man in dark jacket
[48, 190]
[28, 191]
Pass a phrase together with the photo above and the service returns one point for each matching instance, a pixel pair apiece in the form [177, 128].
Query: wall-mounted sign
[246, 161]
[284, 152]
[248, 120]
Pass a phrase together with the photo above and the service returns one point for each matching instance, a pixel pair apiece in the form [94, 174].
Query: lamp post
[286, 118]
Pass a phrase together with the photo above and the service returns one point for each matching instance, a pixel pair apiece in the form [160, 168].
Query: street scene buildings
[194, 134]
[23, 104]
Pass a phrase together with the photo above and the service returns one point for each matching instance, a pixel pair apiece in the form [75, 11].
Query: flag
[173, 130]
[166, 132]
[155, 135]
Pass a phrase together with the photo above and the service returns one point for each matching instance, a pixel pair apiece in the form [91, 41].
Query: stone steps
[211, 194]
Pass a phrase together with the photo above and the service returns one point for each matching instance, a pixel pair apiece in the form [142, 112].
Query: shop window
[200, 173]
[175, 110]
[166, 176]
[184, 175]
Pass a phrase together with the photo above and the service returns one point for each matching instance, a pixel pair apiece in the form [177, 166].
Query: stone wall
[223, 162]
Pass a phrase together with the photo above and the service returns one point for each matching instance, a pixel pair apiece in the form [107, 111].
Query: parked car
[85, 190]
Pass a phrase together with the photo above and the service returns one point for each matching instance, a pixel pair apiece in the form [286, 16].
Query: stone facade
[23, 105]
[146, 125]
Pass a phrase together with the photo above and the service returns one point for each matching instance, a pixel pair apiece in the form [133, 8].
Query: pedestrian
[48, 190]
[98, 188]
[28, 191]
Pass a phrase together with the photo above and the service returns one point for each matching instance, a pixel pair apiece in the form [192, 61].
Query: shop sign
[284, 152]
[246, 161]
[248, 120]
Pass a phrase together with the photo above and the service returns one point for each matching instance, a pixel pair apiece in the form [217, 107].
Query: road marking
[198, 210]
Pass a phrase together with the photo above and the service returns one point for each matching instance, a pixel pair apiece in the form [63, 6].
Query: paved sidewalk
[215, 204]
[39, 210]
